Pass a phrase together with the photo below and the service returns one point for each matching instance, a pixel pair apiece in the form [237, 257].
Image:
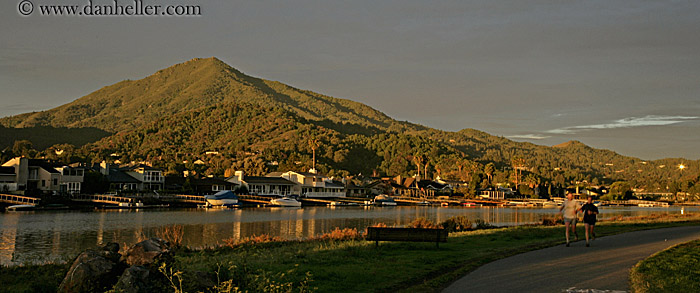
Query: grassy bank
[676, 269]
[327, 265]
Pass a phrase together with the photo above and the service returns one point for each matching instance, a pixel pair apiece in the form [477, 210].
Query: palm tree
[314, 143]
[418, 159]
[488, 170]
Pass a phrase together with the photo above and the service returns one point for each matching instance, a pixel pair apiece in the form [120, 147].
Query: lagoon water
[58, 236]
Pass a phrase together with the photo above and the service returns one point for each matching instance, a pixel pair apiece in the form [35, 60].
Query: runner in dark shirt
[590, 212]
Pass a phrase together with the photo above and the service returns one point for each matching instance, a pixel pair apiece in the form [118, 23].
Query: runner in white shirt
[569, 209]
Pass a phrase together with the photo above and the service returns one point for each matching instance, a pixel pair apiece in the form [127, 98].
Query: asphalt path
[602, 267]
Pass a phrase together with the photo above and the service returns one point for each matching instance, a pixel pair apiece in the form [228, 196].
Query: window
[152, 176]
[55, 181]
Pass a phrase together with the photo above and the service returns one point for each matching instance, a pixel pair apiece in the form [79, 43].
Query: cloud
[529, 136]
[650, 120]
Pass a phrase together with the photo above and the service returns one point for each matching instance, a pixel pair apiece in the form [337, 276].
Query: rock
[135, 279]
[93, 270]
[147, 252]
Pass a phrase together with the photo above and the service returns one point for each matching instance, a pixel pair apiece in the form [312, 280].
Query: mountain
[193, 85]
[180, 113]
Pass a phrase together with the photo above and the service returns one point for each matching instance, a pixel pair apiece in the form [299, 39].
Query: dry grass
[422, 223]
[341, 234]
[173, 234]
[252, 240]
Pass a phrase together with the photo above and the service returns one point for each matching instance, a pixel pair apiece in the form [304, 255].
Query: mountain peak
[571, 143]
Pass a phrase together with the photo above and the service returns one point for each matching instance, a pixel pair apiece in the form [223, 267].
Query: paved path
[603, 266]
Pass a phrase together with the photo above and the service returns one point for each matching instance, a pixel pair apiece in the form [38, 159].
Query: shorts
[589, 221]
[570, 220]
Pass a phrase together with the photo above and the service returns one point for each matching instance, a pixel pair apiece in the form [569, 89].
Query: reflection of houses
[267, 185]
[314, 185]
[32, 174]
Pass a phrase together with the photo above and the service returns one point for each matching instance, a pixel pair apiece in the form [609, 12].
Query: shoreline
[428, 268]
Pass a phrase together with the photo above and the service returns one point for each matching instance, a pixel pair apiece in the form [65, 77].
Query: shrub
[422, 223]
[459, 223]
[551, 220]
[338, 234]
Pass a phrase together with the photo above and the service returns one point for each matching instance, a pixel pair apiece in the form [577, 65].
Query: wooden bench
[406, 234]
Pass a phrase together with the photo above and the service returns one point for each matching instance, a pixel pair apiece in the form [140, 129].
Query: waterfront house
[200, 186]
[454, 184]
[310, 184]
[40, 176]
[271, 185]
[149, 177]
[7, 179]
[136, 177]
[72, 178]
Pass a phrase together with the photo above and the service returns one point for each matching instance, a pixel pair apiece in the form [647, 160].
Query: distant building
[132, 177]
[38, 175]
[314, 185]
[201, 186]
[263, 185]
[7, 179]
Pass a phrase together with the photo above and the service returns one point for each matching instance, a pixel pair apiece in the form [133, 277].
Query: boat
[444, 204]
[646, 205]
[20, 207]
[424, 203]
[285, 202]
[384, 200]
[471, 204]
[222, 198]
[550, 205]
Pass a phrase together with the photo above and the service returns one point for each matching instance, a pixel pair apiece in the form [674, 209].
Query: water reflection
[38, 237]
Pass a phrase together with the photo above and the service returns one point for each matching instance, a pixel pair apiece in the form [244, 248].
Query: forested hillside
[205, 110]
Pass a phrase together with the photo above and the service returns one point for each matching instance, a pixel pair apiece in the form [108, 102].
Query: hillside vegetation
[173, 117]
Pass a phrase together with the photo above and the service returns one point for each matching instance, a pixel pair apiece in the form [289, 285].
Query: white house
[259, 185]
[314, 185]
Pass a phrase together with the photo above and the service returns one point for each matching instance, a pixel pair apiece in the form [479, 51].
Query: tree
[23, 148]
[488, 170]
[314, 144]
[621, 190]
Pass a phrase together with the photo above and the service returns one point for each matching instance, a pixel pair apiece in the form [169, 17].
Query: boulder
[135, 279]
[93, 270]
[147, 252]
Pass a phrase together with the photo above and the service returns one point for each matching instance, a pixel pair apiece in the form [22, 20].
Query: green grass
[352, 265]
[358, 266]
[676, 269]
[32, 278]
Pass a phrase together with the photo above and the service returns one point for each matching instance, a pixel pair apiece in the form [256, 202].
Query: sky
[618, 75]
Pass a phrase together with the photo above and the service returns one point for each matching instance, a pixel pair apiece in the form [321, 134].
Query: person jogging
[590, 212]
[569, 210]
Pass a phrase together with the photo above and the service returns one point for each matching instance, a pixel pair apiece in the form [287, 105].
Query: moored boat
[384, 200]
[20, 207]
[285, 202]
[549, 204]
[222, 198]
